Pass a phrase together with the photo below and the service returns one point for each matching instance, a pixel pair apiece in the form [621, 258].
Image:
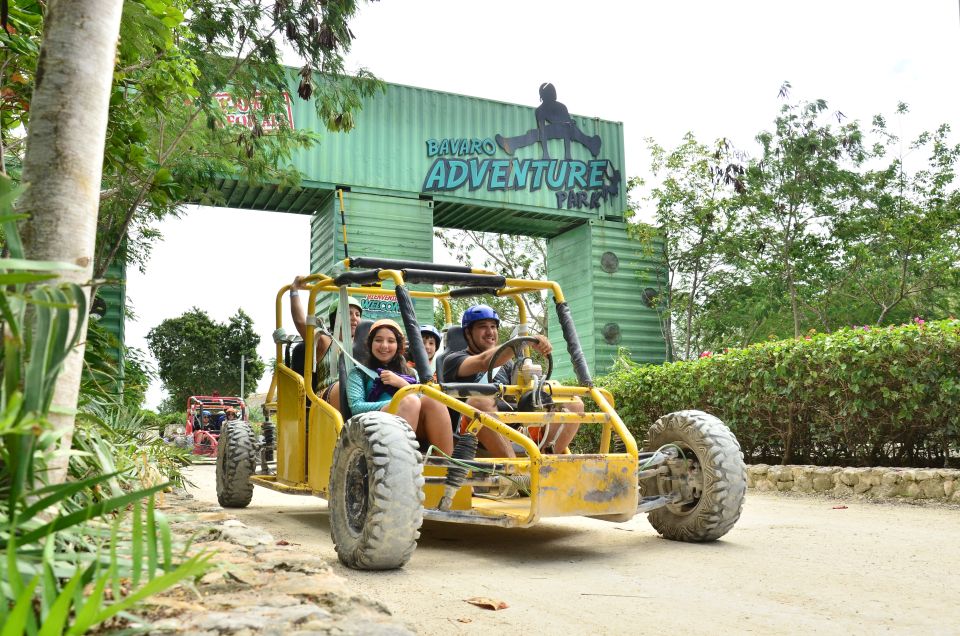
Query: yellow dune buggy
[380, 484]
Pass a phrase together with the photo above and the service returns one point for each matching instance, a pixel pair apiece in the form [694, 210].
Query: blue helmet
[206, 413]
[431, 330]
[479, 312]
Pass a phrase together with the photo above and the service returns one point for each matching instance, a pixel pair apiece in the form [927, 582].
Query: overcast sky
[664, 68]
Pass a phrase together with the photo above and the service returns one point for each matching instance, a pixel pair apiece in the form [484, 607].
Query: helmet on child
[430, 330]
[206, 414]
[353, 302]
[479, 312]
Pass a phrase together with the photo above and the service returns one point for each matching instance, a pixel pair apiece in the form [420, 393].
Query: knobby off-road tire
[376, 492]
[717, 456]
[236, 462]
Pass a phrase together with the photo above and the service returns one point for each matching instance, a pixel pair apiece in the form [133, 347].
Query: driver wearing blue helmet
[480, 328]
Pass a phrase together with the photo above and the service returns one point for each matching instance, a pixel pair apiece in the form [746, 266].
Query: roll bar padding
[573, 345]
[390, 263]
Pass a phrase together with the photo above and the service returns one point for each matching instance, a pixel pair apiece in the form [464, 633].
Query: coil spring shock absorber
[465, 450]
[266, 454]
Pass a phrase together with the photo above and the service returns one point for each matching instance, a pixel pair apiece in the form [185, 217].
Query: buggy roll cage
[197, 403]
[367, 274]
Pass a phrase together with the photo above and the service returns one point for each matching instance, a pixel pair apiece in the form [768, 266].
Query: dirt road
[790, 566]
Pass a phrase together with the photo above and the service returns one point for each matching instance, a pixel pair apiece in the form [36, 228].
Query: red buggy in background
[206, 415]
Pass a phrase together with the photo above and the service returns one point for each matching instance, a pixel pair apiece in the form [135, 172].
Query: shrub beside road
[856, 397]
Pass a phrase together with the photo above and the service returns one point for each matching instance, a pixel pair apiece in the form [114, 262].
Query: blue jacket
[359, 387]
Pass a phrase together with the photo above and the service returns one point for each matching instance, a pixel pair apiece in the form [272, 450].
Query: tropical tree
[180, 67]
[827, 226]
[168, 140]
[62, 164]
[510, 255]
[176, 81]
[904, 236]
[199, 356]
[694, 226]
[791, 198]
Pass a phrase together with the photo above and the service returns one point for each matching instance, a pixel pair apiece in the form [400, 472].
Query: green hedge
[860, 396]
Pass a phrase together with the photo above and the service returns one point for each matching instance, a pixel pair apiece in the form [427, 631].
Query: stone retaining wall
[936, 484]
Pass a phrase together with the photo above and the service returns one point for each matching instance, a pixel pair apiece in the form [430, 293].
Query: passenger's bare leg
[333, 396]
[566, 432]
[409, 410]
[497, 444]
[435, 425]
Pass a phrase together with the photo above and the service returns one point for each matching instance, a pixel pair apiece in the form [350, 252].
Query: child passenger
[431, 342]
[428, 418]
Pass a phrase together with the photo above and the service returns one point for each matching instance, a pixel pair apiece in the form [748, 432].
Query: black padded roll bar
[464, 292]
[389, 263]
[412, 327]
[453, 278]
[358, 277]
[573, 345]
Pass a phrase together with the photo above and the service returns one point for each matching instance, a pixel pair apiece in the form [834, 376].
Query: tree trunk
[794, 307]
[63, 163]
[693, 293]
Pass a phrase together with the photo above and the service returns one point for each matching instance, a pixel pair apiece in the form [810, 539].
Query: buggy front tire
[236, 463]
[376, 492]
[716, 466]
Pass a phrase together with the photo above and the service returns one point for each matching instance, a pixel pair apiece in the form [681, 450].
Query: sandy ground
[791, 565]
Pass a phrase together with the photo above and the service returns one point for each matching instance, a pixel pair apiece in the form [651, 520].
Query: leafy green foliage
[904, 235]
[197, 355]
[102, 380]
[859, 396]
[168, 139]
[19, 48]
[512, 256]
[827, 224]
[693, 217]
[115, 439]
[65, 544]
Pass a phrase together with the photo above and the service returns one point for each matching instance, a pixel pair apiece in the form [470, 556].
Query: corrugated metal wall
[567, 263]
[380, 226]
[603, 274]
[387, 150]
[115, 297]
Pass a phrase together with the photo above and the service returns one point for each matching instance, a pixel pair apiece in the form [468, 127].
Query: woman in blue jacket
[427, 417]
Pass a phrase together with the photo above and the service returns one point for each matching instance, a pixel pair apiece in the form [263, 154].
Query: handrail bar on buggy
[391, 263]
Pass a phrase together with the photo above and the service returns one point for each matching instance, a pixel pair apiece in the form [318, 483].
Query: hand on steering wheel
[515, 343]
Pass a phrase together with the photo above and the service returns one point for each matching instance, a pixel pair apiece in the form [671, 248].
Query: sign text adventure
[576, 183]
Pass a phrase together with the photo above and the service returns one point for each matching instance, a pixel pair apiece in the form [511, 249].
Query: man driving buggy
[480, 328]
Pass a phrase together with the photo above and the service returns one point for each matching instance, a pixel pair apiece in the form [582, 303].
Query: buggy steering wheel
[514, 343]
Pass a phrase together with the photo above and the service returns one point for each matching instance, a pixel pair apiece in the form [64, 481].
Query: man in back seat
[321, 380]
[480, 323]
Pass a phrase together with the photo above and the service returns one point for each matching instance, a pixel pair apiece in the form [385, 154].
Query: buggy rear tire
[376, 492]
[717, 458]
[236, 462]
